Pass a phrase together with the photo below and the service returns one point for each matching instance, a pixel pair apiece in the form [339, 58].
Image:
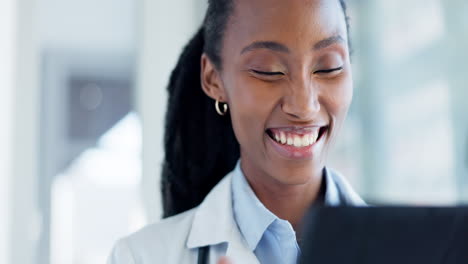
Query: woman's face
[286, 76]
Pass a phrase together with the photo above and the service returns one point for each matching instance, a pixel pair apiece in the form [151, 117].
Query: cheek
[251, 105]
[343, 98]
[337, 100]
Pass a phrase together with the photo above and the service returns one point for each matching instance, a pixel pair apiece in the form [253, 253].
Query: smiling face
[286, 77]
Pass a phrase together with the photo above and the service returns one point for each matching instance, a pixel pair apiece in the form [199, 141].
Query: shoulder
[156, 241]
[170, 227]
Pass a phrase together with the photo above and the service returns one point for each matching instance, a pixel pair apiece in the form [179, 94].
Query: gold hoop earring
[225, 108]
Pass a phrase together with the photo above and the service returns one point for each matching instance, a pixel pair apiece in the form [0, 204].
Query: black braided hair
[200, 146]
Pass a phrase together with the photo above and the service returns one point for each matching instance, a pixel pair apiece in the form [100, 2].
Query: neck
[287, 201]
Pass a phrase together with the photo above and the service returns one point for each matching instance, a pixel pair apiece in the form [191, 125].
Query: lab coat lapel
[238, 251]
[213, 219]
[214, 223]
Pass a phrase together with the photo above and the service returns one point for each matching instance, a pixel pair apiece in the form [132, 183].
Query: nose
[301, 103]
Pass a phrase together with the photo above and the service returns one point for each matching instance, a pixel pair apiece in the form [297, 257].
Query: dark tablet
[381, 235]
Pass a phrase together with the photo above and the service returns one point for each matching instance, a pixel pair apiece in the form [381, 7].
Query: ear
[211, 81]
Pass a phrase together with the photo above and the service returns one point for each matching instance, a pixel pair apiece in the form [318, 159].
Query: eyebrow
[275, 46]
[328, 42]
[271, 45]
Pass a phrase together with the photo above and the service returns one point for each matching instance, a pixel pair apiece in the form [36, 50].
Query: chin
[295, 173]
[299, 180]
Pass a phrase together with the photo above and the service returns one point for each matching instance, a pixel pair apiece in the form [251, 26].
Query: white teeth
[297, 141]
[305, 141]
[277, 138]
[283, 137]
[314, 136]
[311, 138]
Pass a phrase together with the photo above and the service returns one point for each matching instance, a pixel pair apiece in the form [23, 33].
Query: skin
[314, 33]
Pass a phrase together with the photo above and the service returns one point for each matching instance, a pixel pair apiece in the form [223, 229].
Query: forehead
[296, 23]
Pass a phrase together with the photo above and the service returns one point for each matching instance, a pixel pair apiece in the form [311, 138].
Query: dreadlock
[200, 146]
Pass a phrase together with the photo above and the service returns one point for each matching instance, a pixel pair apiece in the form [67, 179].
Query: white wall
[18, 132]
[24, 228]
[166, 27]
[409, 96]
[87, 25]
[7, 51]
[18, 156]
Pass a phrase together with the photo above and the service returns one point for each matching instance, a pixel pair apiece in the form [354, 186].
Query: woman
[259, 94]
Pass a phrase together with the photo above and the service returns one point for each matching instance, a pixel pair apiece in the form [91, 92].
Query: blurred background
[83, 101]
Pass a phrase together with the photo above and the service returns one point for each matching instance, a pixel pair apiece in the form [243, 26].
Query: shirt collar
[332, 196]
[252, 217]
[233, 196]
[338, 190]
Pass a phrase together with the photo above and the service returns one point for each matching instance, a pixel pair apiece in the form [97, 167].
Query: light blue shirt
[273, 240]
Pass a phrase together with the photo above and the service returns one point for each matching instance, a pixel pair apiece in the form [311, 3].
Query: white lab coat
[178, 238]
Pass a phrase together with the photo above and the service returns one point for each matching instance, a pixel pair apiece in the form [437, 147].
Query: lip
[298, 153]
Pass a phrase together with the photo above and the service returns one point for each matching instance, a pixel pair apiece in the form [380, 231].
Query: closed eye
[267, 73]
[328, 70]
